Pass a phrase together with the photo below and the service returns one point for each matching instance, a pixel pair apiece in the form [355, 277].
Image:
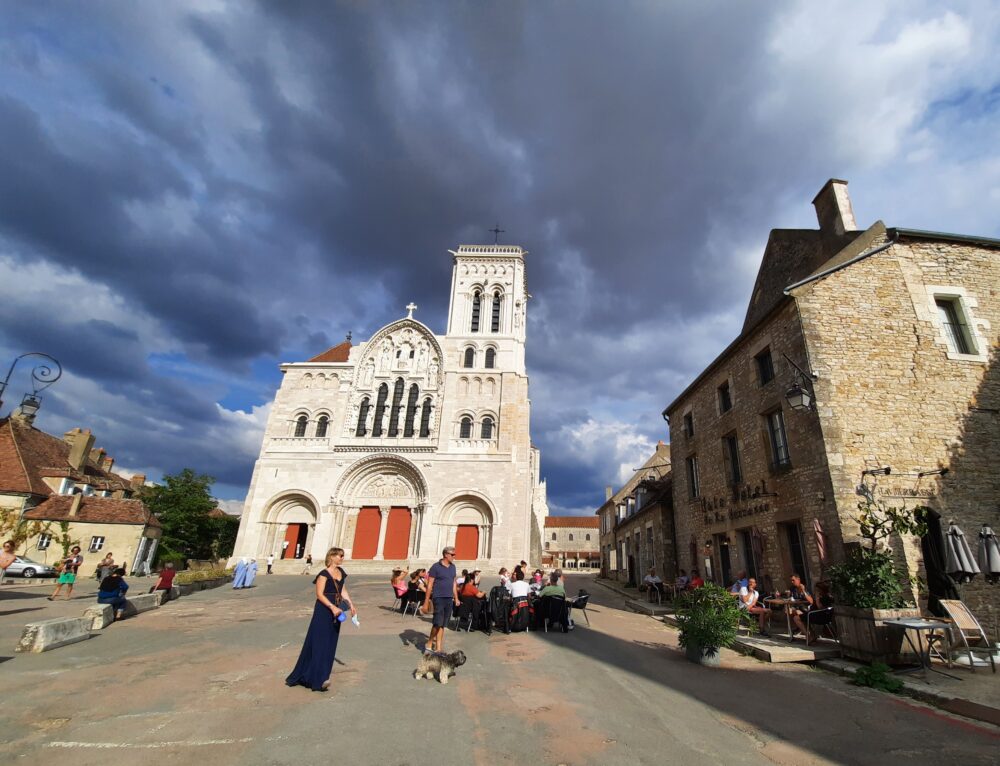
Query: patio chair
[966, 634]
[653, 594]
[416, 604]
[812, 614]
[580, 603]
[397, 600]
[553, 609]
[465, 611]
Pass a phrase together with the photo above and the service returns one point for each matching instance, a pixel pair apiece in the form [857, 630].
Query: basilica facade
[398, 446]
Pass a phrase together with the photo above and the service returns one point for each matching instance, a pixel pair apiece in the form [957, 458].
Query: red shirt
[696, 582]
[166, 579]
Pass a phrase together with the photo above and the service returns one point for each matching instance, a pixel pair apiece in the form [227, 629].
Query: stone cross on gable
[411, 307]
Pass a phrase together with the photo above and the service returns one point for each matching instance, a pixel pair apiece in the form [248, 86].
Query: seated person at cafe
[695, 581]
[652, 581]
[554, 588]
[798, 592]
[681, 582]
[518, 587]
[820, 615]
[741, 582]
[749, 600]
[469, 589]
[112, 591]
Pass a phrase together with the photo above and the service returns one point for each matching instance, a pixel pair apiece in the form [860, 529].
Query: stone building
[410, 441]
[637, 525]
[50, 480]
[885, 339]
[571, 542]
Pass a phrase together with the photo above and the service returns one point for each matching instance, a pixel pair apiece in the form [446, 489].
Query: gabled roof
[338, 353]
[92, 510]
[27, 455]
[563, 522]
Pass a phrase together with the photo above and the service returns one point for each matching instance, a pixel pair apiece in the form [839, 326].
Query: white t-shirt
[651, 579]
[744, 592]
[270, 560]
[519, 588]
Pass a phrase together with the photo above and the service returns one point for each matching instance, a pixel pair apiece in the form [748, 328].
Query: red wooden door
[366, 534]
[467, 542]
[291, 537]
[397, 535]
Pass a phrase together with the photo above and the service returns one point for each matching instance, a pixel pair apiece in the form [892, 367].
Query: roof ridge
[20, 457]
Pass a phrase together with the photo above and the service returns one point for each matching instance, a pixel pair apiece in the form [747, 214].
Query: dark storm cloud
[257, 181]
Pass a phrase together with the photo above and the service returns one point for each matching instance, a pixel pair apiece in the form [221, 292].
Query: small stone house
[571, 542]
[637, 525]
[885, 341]
[50, 480]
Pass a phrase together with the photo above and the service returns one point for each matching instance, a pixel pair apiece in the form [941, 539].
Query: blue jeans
[117, 602]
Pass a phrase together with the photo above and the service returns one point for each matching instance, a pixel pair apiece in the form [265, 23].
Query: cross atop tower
[411, 307]
[497, 231]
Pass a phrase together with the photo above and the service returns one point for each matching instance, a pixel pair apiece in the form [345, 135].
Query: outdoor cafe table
[918, 624]
[789, 604]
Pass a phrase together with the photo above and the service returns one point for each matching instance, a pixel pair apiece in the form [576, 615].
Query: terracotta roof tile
[336, 354]
[562, 522]
[27, 455]
[93, 510]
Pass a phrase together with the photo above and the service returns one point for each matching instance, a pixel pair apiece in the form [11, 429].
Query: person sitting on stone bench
[112, 591]
[166, 580]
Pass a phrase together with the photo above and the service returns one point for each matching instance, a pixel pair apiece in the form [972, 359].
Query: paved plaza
[201, 679]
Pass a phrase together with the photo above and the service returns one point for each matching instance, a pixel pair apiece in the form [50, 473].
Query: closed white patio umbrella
[959, 562]
[989, 554]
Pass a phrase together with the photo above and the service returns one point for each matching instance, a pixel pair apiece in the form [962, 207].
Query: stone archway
[289, 518]
[389, 490]
[467, 521]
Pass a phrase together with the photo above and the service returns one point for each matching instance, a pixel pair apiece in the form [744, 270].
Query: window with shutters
[425, 418]
[397, 405]
[495, 320]
[383, 394]
[411, 410]
[362, 428]
[477, 305]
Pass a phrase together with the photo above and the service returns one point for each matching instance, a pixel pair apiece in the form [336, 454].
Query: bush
[877, 677]
[708, 617]
[868, 580]
[197, 575]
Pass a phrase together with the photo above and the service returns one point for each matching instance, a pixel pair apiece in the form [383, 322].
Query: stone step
[44, 635]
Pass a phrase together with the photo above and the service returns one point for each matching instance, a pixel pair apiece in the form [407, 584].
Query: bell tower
[489, 299]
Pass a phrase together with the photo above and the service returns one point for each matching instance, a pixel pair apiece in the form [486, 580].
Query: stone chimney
[97, 456]
[138, 480]
[833, 208]
[107, 463]
[74, 505]
[608, 492]
[80, 444]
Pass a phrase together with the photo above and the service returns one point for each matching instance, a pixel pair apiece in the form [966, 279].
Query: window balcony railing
[299, 443]
[473, 445]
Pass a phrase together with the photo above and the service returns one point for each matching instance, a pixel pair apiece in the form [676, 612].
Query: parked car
[28, 568]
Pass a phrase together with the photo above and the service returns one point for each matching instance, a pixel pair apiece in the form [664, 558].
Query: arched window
[571, 537]
[466, 430]
[321, 425]
[397, 401]
[487, 432]
[477, 304]
[411, 410]
[553, 535]
[469, 360]
[425, 418]
[491, 358]
[383, 394]
[362, 428]
[495, 321]
[300, 425]
[588, 538]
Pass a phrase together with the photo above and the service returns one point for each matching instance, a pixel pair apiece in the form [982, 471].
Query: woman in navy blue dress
[320, 647]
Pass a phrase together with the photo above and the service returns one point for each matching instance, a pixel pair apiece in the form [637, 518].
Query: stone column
[383, 523]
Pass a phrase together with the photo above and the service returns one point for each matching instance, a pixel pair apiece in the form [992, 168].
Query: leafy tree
[66, 540]
[182, 503]
[18, 530]
[226, 528]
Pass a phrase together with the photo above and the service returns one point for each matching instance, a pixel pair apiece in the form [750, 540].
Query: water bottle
[342, 616]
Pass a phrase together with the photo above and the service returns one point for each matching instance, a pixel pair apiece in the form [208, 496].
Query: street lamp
[42, 376]
[801, 396]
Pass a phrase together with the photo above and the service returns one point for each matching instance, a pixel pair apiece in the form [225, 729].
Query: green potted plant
[708, 618]
[869, 589]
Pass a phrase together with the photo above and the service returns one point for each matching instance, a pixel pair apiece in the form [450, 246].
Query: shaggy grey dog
[440, 665]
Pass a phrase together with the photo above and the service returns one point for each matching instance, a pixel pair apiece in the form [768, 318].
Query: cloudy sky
[194, 192]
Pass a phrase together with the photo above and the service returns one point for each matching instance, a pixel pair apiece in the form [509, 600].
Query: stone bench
[142, 603]
[100, 616]
[51, 634]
